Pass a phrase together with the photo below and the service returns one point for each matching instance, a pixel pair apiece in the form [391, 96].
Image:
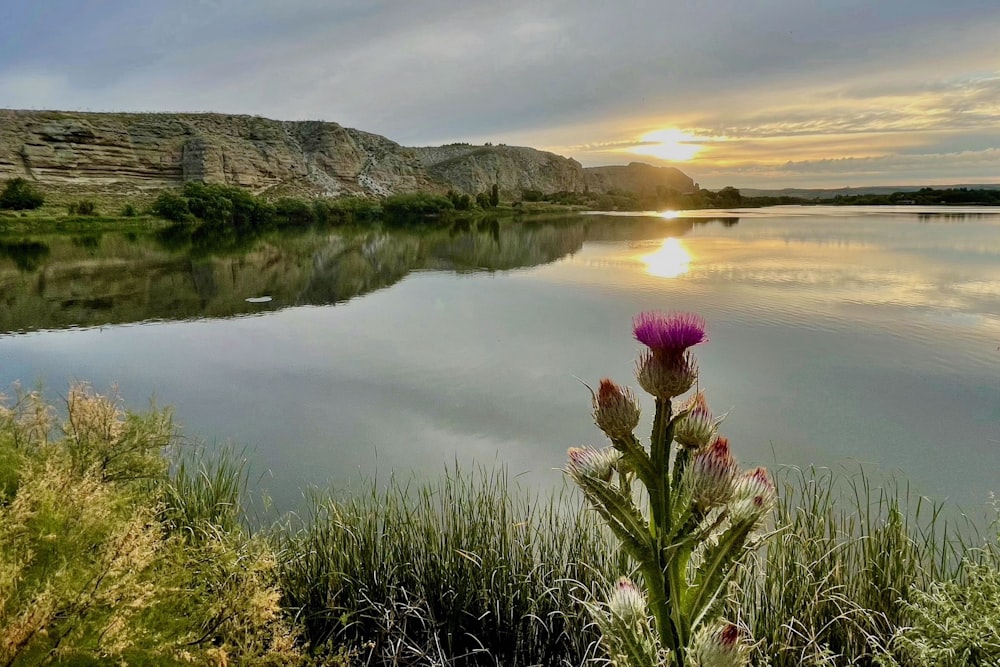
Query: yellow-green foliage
[89, 570]
[956, 623]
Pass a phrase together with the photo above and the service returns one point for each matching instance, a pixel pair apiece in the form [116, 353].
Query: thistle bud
[753, 496]
[670, 334]
[666, 376]
[627, 602]
[697, 429]
[720, 645]
[616, 411]
[712, 476]
[585, 462]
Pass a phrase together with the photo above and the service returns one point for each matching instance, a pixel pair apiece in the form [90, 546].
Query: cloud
[761, 83]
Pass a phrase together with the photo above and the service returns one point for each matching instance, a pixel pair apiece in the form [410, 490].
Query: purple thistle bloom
[669, 333]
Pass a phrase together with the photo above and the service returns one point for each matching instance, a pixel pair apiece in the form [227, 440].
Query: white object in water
[258, 299]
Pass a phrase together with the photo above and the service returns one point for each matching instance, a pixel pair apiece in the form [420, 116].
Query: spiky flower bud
[669, 334]
[666, 377]
[585, 462]
[720, 645]
[626, 601]
[712, 476]
[753, 496]
[616, 411]
[697, 429]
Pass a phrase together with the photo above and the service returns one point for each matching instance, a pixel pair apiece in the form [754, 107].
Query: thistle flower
[698, 429]
[586, 462]
[721, 645]
[626, 601]
[666, 377]
[616, 410]
[669, 334]
[753, 496]
[712, 476]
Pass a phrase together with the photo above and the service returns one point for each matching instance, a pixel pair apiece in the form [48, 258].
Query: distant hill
[638, 177]
[820, 193]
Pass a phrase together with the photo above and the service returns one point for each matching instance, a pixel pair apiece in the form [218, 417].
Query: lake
[838, 336]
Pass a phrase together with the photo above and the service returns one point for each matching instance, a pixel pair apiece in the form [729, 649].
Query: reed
[836, 582]
[462, 571]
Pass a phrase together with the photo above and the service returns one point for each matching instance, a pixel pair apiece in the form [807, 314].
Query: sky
[755, 94]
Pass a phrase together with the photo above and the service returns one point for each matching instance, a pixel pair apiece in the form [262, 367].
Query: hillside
[638, 177]
[131, 153]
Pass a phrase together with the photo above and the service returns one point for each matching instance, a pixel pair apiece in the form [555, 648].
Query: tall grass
[464, 571]
[833, 583]
[205, 490]
[467, 571]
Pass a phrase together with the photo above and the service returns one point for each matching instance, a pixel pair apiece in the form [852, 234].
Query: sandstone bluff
[135, 152]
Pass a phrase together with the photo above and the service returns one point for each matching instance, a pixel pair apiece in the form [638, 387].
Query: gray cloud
[524, 72]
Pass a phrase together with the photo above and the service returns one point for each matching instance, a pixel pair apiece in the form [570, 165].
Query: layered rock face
[131, 152]
[149, 151]
[475, 169]
[638, 177]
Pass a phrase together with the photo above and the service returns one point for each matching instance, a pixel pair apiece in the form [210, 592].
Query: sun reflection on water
[670, 261]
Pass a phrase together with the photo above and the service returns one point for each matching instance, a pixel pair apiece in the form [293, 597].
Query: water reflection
[670, 261]
[834, 336]
[187, 271]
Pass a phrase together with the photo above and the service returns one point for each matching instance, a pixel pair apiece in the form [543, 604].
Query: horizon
[826, 96]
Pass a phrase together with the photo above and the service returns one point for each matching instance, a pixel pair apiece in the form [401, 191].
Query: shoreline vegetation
[119, 544]
[24, 207]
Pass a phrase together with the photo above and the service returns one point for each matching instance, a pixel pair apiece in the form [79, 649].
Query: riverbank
[466, 570]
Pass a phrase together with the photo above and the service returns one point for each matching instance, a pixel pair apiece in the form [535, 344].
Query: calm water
[838, 336]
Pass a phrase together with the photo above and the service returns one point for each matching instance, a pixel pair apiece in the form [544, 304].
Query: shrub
[18, 195]
[460, 200]
[291, 211]
[414, 207]
[129, 211]
[170, 205]
[90, 573]
[227, 204]
[353, 210]
[83, 207]
[957, 622]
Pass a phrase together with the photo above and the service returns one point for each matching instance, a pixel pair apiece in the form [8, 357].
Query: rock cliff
[135, 152]
[102, 151]
[638, 177]
[475, 169]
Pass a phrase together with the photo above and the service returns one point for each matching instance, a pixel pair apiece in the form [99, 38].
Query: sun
[669, 144]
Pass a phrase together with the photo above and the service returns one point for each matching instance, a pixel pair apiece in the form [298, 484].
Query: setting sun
[670, 261]
[669, 144]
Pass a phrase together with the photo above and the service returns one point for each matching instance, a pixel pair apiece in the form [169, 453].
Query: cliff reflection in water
[57, 281]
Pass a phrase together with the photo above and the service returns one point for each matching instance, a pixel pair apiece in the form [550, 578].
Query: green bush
[291, 211]
[957, 622]
[19, 195]
[460, 200]
[83, 207]
[170, 205]
[129, 211]
[415, 207]
[90, 570]
[353, 210]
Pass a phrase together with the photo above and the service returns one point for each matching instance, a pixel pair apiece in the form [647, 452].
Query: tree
[495, 196]
[18, 195]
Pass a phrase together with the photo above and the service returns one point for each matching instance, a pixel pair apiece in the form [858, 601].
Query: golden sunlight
[670, 144]
[670, 261]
